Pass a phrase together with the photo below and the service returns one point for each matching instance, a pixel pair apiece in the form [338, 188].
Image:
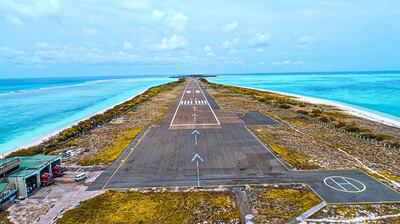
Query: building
[8, 191]
[23, 175]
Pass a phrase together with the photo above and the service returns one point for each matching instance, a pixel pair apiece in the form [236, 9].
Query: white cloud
[157, 14]
[43, 45]
[49, 54]
[287, 62]
[207, 48]
[171, 43]
[231, 43]
[30, 8]
[210, 54]
[13, 20]
[209, 51]
[230, 27]
[260, 40]
[128, 45]
[304, 42]
[176, 20]
[9, 55]
[90, 31]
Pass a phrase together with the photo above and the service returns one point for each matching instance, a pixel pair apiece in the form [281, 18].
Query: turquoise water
[377, 92]
[35, 107]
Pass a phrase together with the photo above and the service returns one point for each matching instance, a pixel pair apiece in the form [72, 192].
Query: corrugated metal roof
[2, 186]
[36, 161]
[22, 173]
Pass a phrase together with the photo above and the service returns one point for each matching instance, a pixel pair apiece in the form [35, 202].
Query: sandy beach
[54, 133]
[346, 108]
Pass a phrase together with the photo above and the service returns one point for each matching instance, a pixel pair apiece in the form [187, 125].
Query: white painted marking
[195, 133]
[197, 156]
[208, 103]
[198, 159]
[339, 186]
[181, 102]
[177, 108]
[191, 102]
[194, 117]
[194, 108]
[197, 91]
[358, 189]
[188, 91]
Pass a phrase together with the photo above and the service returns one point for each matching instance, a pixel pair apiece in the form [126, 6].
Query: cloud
[46, 54]
[157, 14]
[128, 45]
[13, 20]
[172, 43]
[9, 55]
[207, 48]
[287, 62]
[176, 20]
[43, 45]
[304, 42]
[230, 27]
[260, 40]
[30, 8]
[209, 51]
[90, 31]
[230, 44]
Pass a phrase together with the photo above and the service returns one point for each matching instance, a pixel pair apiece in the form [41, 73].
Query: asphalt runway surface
[198, 145]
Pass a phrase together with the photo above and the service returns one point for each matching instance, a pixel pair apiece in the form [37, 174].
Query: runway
[197, 144]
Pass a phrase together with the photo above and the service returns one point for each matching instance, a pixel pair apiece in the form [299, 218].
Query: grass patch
[152, 207]
[278, 205]
[109, 154]
[295, 158]
[4, 217]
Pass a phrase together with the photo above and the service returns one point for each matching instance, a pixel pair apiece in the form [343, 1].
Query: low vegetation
[95, 121]
[280, 204]
[155, 207]
[295, 158]
[324, 113]
[4, 217]
[108, 154]
[341, 213]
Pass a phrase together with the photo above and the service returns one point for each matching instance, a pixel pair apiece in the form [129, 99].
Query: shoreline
[350, 109]
[58, 130]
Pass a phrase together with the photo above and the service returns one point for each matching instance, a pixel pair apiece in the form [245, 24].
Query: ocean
[36, 107]
[32, 108]
[377, 92]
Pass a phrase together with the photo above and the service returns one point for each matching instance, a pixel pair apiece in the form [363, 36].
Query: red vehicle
[58, 170]
[46, 179]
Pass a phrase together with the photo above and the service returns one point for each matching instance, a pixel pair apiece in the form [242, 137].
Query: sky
[129, 37]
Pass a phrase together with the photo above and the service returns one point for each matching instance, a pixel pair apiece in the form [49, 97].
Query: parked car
[79, 177]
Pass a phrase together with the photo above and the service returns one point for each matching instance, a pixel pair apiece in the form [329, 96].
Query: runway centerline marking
[198, 158]
[193, 101]
[340, 183]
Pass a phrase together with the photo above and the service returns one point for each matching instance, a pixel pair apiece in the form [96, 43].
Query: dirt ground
[328, 148]
[49, 202]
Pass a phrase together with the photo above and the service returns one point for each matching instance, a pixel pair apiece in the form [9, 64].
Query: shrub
[284, 106]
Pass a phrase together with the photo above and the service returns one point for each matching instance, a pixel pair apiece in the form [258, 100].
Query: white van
[79, 177]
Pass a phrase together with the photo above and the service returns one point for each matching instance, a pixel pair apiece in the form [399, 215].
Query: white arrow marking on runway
[195, 133]
[194, 108]
[194, 117]
[198, 158]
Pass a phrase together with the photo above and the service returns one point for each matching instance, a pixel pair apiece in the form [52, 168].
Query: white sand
[54, 133]
[346, 108]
